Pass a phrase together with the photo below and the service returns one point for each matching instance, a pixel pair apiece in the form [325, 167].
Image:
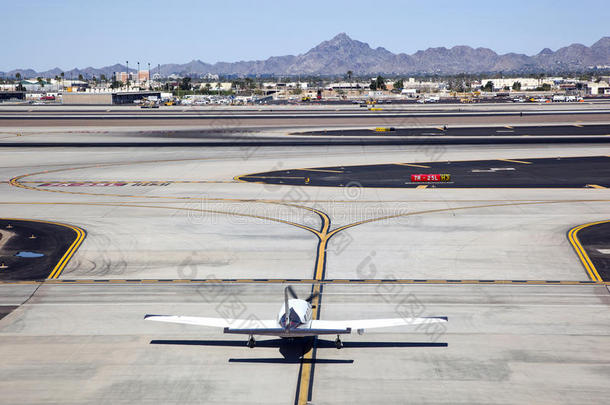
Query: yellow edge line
[412, 165]
[580, 251]
[69, 253]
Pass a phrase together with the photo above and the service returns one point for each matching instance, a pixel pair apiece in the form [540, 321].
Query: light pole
[138, 74]
[149, 76]
[127, 78]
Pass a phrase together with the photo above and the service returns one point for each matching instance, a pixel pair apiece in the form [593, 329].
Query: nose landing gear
[338, 342]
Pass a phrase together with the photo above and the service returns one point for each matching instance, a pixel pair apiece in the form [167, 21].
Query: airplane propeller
[294, 295]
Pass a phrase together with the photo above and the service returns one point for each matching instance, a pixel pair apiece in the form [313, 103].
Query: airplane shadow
[293, 350]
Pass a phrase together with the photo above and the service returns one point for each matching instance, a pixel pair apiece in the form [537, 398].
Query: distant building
[224, 86]
[107, 98]
[12, 95]
[143, 76]
[598, 88]
[138, 77]
[527, 83]
[122, 77]
[345, 86]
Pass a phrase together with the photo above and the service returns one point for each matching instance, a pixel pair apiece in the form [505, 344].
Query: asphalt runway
[171, 230]
[507, 130]
[269, 136]
[521, 173]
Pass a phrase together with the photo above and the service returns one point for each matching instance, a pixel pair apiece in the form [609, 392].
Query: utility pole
[138, 74]
[127, 82]
[149, 76]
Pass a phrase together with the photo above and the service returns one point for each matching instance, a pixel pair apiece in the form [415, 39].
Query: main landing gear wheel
[338, 342]
[251, 342]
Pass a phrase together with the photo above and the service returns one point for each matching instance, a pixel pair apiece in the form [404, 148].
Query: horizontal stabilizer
[296, 332]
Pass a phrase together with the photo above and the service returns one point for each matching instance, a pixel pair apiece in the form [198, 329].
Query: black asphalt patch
[573, 172]
[6, 309]
[530, 130]
[27, 236]
[595, 239]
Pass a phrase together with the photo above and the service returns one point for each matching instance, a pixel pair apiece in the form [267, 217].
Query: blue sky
[43, 34]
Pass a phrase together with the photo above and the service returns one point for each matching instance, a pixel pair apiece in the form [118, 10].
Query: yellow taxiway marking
[412, 165]
[516, 161]
[320, 170]
[594, 186]
[61, 264]
[422, 186]
[508, 127]
[580, 251]
[252, 176]
[306, 371]
[578, 125]
[440, 128]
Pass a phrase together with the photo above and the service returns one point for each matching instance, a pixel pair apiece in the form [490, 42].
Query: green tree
[80, 77]
[380, 81]
[40, 81]
[399, 84]
[489, 86]
[517, 86]
[349, 75]
[185, 84]
[103, 78]
[18, 76]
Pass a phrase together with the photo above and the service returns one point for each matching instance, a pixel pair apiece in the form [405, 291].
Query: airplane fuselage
[300, 313]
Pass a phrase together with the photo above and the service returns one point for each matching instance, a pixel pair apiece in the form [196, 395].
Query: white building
[527, 83]
[598, 88]
[224, 86]
[409, 92]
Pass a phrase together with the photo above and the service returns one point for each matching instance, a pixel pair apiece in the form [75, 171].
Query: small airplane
[294, 321]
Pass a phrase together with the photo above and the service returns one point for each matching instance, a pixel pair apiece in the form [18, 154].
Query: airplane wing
[361, 324]
[215, 322]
